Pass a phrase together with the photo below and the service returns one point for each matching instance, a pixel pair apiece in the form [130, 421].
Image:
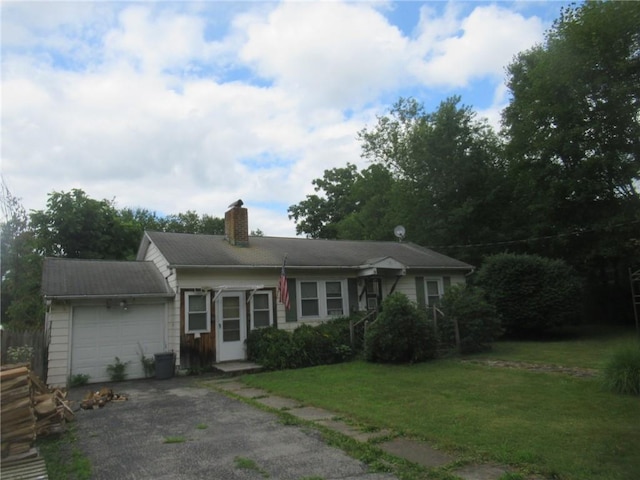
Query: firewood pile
[100, 398]
[28, 409]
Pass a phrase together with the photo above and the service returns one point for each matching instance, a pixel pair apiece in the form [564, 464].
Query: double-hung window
[197, 312]
[261, 308]
[322, 298]
[434, 290]
[335, 300]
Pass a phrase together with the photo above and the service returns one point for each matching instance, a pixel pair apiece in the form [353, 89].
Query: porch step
[237, 368]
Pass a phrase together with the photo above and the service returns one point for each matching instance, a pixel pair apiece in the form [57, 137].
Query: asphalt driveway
[216, 437]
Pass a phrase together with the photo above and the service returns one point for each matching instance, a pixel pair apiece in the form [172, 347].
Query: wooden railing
[361, 324]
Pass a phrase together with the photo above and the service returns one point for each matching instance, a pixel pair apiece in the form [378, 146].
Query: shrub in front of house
[478, 323]
[305, 346]
[401, 333]
[270, 347]
[531, 294]
[622, 371]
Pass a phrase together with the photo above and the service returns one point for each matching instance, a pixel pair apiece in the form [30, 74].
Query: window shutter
[352, 285]
[446, 282]
[422, 302]
[292, 314]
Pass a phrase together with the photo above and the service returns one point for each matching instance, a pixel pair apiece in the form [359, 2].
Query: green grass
[557, 425]
[588, 347]
[248, 464]
[63, 458]
[174, 439]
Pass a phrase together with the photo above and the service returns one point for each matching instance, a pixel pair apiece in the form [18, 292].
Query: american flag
[284, 289]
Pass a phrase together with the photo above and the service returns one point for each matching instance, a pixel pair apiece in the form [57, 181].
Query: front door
[232, 326]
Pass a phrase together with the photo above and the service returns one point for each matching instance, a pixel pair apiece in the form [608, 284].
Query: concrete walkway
[412, 450]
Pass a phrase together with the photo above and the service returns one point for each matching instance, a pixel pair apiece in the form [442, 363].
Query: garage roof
[73, 278]
[189, 250]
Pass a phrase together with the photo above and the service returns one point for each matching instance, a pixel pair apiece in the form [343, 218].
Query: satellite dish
[399, 232]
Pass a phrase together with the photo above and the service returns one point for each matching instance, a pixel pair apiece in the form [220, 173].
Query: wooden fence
[36, 340]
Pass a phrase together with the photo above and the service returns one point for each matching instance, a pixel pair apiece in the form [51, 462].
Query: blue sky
[176, 106]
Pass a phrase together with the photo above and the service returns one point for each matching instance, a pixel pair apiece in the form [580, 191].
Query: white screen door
[232, 326]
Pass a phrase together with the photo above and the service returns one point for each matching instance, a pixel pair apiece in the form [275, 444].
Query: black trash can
[165, 365]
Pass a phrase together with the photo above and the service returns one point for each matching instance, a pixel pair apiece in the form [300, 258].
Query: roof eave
[317, 267]
[109, 295]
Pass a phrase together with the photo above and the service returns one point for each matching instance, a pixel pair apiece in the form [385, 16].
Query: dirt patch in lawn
[538, 367]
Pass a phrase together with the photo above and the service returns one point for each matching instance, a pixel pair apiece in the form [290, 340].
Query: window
[434, 290]
[334, 298]
[261, 308]
[310, 304]
[322, 298]
[198, 314]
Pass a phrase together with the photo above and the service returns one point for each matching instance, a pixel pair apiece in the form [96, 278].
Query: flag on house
[283, 287]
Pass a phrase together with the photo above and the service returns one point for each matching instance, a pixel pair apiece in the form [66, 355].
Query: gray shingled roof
[182, 250]
[72, 278]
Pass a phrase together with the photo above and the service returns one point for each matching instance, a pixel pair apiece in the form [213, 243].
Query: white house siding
[59, 321]
[406, 285]
[153, 254]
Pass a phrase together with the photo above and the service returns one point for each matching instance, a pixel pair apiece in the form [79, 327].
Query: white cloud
[459, 50]
[326, 53]
[167, 107]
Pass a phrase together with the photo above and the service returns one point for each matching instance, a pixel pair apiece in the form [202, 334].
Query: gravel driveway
[215, 437]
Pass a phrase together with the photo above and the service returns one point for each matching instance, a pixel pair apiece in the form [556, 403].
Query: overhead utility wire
[535, 239]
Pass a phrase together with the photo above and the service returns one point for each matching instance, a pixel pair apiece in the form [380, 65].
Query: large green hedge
[478, 323]
[531, 294]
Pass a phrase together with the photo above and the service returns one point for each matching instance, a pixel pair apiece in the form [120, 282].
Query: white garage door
[101, 334]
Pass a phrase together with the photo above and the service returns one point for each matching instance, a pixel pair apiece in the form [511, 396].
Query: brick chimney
[236, 225]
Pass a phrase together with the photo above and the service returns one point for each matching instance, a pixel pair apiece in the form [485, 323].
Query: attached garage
[98, 310]
[100, 334]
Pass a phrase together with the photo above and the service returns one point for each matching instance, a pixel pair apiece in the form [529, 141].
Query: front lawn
[587, 347]
[561, 426]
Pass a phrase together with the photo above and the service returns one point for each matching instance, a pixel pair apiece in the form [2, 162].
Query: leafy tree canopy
[76, 226]
[351, 205]
[573, 130]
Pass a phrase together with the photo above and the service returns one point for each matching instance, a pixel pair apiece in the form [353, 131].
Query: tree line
[559, 179]
[74, 226]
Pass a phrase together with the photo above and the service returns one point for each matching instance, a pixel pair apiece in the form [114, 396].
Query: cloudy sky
[176, 106]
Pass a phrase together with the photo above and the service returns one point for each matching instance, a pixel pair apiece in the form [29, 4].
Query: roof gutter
[310, 267]
[107, 296]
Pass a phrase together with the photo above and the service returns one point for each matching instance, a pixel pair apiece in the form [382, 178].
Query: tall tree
[352, 204]
[318, 215]
[449, 165]
[573, 129]
[77, 226]
[21, 266]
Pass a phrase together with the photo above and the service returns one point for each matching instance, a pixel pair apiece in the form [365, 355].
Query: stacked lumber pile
[28, 409]
[18, 428]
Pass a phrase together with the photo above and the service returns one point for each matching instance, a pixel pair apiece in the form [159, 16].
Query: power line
[535, 239]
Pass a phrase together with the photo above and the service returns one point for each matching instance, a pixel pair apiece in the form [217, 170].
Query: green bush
[78, 380]
[117, 371]
[478, 323]
[531, 294]
[401, 333]
[622, 371]
[305, 346]
[271, 347]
